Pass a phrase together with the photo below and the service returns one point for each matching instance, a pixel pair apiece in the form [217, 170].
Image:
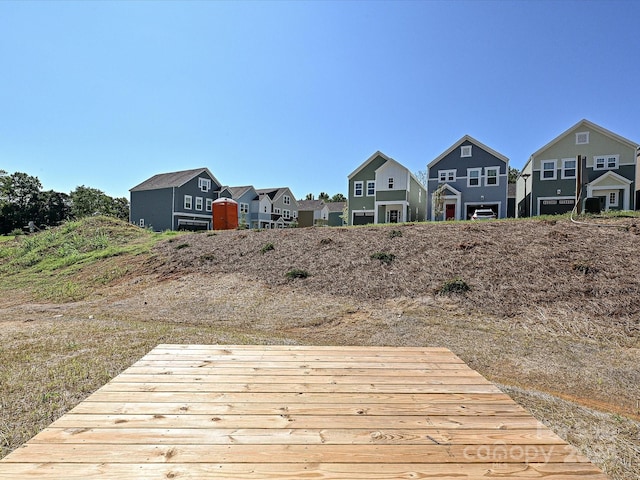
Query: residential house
[246, 197]
[276, 207]
[381, 190]
[175, 201]
[585, 161]
[310, 213]
[466, 176]
[335, 213]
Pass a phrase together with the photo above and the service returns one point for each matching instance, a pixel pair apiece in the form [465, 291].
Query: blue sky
[299, 94]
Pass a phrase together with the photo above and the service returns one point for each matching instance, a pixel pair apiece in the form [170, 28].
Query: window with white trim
[295, 214]
[141, 223]
[286, 199]
[605, 162]
[390, 183]
[446, 176]
[568, 168]
[548, 170]
[357, 189]
[491, 176]
[473, 177]
[613, 199]
[204, 184]
[188, 202]
[244, 208]
[465, 151]
[582, 138]
[209, 204]
[371, 188]
[286, 214]
[276, 211]
[199, 203]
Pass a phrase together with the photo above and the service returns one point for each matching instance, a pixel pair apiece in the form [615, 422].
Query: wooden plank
[239, 368]
[285, 358]
[198, 453]
[296, 421]
[167, 432]
[323, 349]
[207, 388]
[496, 408]
[415, 365]
[296, 471]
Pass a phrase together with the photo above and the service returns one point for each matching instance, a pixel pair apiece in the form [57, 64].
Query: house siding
[154, 206]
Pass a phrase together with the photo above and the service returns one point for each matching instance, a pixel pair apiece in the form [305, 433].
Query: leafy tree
[309, 196]
[422, 177]
[19, 200]
[323, 196]
[338, 197]
[86, 201]
[55, 207]
[513, 174]
[121, 208]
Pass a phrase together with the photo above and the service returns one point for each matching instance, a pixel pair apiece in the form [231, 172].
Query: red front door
[450, 211]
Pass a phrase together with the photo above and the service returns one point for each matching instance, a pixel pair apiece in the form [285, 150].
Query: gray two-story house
[585, 161]
[175, 201]
[276, 208]
[467, 176]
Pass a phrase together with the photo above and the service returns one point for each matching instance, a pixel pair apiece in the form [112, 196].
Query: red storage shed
[225, 214]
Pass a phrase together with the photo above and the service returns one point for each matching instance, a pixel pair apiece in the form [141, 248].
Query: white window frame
[616, 199]
[141, 222]
[371, 188]
[244, 208]
[605, 162]
[286, 199]
[582, 138]
[277, 211]
[188, 202]
[563, 173]
[465, 151]
[199, 203]
[204, 184]
[446, 176]
[295, 214]
[359, 185]
[209, 205]
[286, 214]
[469, 177]
[390, 183]
[542, 169]
[486, 176]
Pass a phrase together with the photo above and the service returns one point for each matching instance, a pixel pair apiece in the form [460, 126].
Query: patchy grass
[456, 285]
[296, 273]
[267, 247]
[384, 257]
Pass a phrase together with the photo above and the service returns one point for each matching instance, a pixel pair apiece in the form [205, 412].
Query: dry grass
[531, 320]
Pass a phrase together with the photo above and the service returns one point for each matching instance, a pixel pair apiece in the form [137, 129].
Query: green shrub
[395, 233]
[296, 273]
[456, 285]
[326, 241]
[383, 257]
[16, 231]
[267, 248]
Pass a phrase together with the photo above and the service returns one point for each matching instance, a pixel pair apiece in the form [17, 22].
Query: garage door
[556, 207]
[360, 218]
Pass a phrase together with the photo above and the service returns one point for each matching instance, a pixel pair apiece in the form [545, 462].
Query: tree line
[22, 201]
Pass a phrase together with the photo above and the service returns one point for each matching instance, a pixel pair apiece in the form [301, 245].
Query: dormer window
[465, 151]
[582, 138]
[204, 184]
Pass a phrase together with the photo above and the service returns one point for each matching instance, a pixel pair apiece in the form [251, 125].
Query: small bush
[182, 245]
[395, 233]
[456, 285]
[16, 231]
[267, 248]
[296, 273]
[584, 267]
[326, 241]
[383, 257]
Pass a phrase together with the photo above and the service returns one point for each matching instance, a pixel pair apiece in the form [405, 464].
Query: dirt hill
[547, 309]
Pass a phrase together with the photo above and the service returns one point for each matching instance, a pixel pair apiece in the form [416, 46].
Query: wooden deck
[291, 412]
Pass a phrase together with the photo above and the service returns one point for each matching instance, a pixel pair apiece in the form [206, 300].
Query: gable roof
[237, 192]
[310, 205]
[273, 193]
[369, 160]
[335, 206]
[172, 179]
[473, 141]
[586, 123]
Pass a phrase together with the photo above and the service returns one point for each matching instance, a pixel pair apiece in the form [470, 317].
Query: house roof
[272, 193]
[335, 206]
[172, 179]
[237, 192]
[387, 159]
[310, 205]
[473, 141]
[586, 123]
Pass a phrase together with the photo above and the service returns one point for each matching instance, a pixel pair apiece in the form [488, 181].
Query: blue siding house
[468, 175]
[175, 201]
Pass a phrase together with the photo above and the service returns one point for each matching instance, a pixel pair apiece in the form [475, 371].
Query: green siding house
[381, 190]
[586, 161]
